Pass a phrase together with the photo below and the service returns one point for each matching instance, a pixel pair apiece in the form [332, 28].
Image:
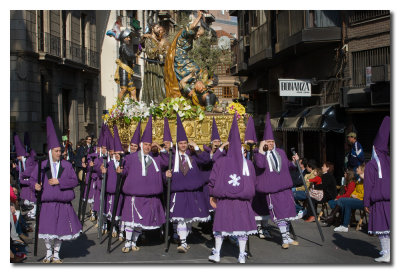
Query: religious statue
[124, 73]
[155, 48]
[183, 77]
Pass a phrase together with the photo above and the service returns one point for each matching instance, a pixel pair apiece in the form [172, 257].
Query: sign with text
[294, 88]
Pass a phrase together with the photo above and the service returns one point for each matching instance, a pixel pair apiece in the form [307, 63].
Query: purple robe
[277, 186]
[57, 216]
[187, 200]
[111, 187]
[377, 196]
[142, 206]
[96, 182]
[26, 192]
[234, 214]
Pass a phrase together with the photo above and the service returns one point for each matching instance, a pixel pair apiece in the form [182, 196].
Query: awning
[315, 118]
[291, 119]
[321, 118]
[276, 120]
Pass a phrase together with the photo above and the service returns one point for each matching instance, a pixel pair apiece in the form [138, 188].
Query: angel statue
[183, 77]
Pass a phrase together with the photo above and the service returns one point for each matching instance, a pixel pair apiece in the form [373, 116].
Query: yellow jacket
[359, 190]
[306, 178]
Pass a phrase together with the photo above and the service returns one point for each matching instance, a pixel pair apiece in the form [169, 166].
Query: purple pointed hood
[382, 137]
[167, 132]
[268, 134]
[147, 134]
[117, 141]
[136, 136]
[180, 131]
[19, 148]
[235, 146]
[110, 139]
[214, 132]
[100, 139]
[250, 133]
[104, 136]
[52, 140]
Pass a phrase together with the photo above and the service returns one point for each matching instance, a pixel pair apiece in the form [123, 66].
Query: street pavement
[353, 247]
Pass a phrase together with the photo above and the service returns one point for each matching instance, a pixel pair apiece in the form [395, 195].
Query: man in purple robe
[377, 190]
[26, 164]
[135, 141]
[58, 221]
[259, 202]
[91, 160]
[142, 208]
[108, 143]
[275, 181]
[112, 168]
[187, 203]
[232, 187]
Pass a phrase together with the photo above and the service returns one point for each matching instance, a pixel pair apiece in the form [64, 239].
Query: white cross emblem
[234, 180]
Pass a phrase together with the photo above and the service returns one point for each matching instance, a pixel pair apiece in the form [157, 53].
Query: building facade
[54, 70]
[331, 50]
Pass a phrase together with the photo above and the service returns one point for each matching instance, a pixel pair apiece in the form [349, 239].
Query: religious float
[173, 84]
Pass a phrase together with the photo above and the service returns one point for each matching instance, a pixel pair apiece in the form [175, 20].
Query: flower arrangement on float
[129, 110]
[235, 107]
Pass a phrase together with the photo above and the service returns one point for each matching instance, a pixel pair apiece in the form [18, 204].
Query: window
[45, 98]
[228, 92]
[40, 30]
[371, 57]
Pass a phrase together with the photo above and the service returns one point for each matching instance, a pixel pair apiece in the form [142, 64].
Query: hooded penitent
[19, 148]
[250, 133]
[233, 170]
[52, 142]
[167, 132]
[214, 132]
[117, 141]
[180, 136]
[109, 139]
[136, 136]
[380, 149]
[148, 138]
[268, 134]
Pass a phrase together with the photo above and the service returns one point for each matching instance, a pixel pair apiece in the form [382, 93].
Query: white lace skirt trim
[190, 220]
[384, 232]
[261, 218]
[235, 233]
[62, 238]
[133, 225]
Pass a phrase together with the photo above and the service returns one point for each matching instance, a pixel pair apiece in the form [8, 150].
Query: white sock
[136, 233]
[288, 232]
[49, 246]
[129, 233]
[385, 242]
[218, 243]
[57, 246]
[242, 244]
[182, 232]
[282, 228]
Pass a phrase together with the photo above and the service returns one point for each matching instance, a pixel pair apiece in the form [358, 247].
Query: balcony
[240, 54]
[50, 45]
[260, 44]
[296, 28]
